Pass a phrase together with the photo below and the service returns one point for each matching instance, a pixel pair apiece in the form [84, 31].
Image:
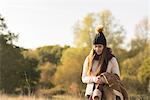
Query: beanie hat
[99, 37]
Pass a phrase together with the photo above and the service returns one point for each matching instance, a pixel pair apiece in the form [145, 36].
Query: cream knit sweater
[89, 80]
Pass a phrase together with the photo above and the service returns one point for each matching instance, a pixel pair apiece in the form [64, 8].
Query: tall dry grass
[56, 97]
[62, 97]
[7, 97]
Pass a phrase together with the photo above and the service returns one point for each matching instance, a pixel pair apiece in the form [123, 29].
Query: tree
[144, 73]
[9, 36]
[10, 65]
[141, 39]
[135, 71]
[9, 58]
[70, 70]
[49, 58]
[47, 71]
[84, 31]
[50, 54]
[113, 31]
[130, 65]
[136, 67]
[3, 25]
[29, 76]
[17, 73]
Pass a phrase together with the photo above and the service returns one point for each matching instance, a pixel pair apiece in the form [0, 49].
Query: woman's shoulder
[113, 60]
[87, 58]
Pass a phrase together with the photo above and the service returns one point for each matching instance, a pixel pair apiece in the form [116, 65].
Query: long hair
[102, 61]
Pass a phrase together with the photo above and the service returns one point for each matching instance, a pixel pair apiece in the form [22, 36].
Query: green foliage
[48, 67]
[14, 67]
[49, 58]
[9, 64]
[130, 65]
[50, 53]
[17, 73]
[84, 31]
[10, 60]
[137, 71]
[47, 71]
[70, 69]
[113, 31]
[133, 86]
[144, 73]
[29, 76]
[121, 54]
[3, 25]
[141, 38]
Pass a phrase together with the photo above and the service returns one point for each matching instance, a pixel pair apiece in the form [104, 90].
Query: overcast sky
[50, 22]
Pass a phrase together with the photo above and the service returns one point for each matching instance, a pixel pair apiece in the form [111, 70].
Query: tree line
[58, 69]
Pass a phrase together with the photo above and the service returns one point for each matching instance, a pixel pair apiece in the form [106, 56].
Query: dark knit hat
[99, 37]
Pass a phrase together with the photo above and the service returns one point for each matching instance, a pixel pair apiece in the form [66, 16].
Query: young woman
[98, 61]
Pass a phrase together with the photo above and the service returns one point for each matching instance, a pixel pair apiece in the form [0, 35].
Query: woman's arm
[115, 67]
[85, 78]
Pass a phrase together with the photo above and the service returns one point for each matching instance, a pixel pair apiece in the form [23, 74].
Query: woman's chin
[98, 53]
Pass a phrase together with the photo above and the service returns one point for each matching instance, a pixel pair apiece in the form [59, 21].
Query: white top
[89, 80]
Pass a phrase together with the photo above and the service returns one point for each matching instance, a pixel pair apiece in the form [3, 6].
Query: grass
[66, 97]
[61, 97]
[6, 97]
[55, 97]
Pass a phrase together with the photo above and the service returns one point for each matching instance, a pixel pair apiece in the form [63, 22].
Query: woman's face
[98, 48]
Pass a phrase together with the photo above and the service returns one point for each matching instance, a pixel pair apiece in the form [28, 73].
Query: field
[61, 97]
[56, 97]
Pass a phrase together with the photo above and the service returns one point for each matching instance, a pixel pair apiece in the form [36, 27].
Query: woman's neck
[96, 57]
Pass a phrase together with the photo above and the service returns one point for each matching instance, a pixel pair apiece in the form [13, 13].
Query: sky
[50, 22]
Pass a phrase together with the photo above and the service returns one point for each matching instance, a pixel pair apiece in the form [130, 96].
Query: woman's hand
[98, 80]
